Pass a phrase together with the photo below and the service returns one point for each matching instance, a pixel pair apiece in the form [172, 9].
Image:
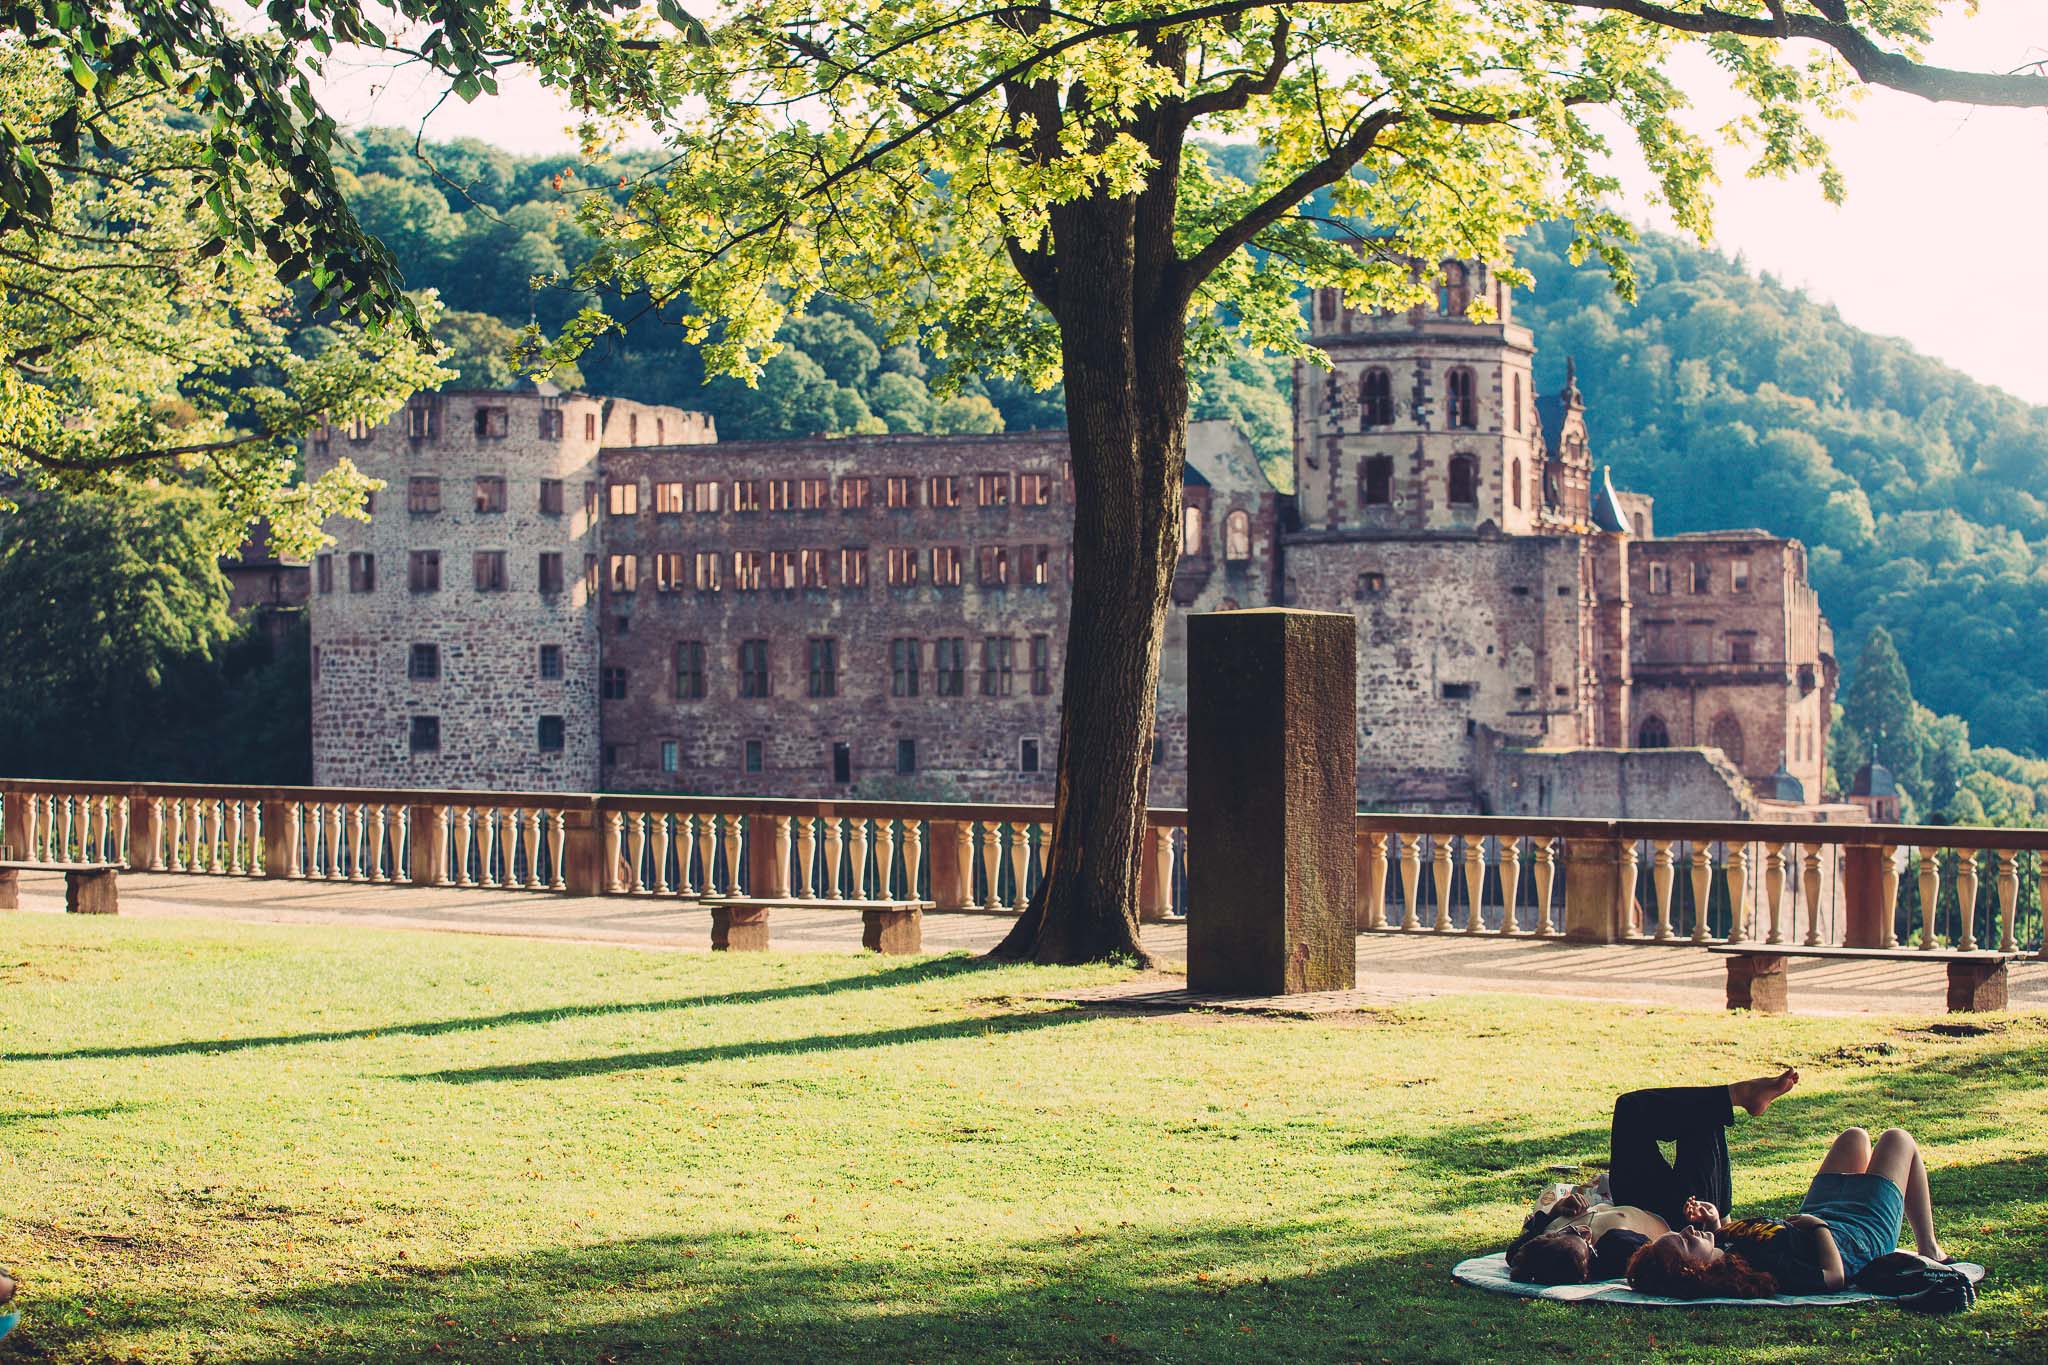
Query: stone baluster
[806, 855]
[857, 856]
[913, 858]
[2008, 898]
[95, 827]
[1475, 883]
[239, 860]
[31, 849]
[1020, 868]
[1510, 883]
[1930, 893]
[1702, 888]
[636, 825]
[1810, 883]
[985, 841]
[558, 828]
[532, 831]
[1042, 859]
[1661, 879]
[707, 858]
[496, 851]
[295, 840]
[1966, 896]
[465, 835]
[1888, 892]
[1371, 852]
[1411, 880]
[1735, 871]
[885, 860]
[1774, 889]
[835, 846]
[380, 818]
[688, 885]
[729, 831]
[1440, 881]
[658, 881]
[1547, 853]
[1627, 867]
[194, 855]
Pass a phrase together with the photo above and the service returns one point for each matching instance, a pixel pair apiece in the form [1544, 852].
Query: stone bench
[1756, 973]
[89, 888]
[741, 923]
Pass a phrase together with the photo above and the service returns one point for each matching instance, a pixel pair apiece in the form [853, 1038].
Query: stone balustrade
[1853, 885]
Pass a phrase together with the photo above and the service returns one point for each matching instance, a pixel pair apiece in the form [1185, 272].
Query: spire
[1607, 507]
[1572, 397]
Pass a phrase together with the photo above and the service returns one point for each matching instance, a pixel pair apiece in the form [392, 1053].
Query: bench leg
[744, 930]
[91, 893]
[10, 888]
[1757, 982]
[1976, 987]
[895, 932]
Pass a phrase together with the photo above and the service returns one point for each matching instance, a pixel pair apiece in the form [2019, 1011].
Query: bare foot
[1758, 1095]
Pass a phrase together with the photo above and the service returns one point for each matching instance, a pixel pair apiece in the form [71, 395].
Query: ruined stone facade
[885, 617]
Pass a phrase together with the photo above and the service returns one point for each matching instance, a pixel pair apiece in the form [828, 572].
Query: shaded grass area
[248, 1143]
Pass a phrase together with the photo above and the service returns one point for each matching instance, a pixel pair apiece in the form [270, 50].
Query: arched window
[1727, 737]
[1377, 476]
[1515, 481]
[1192, 531]
[1518, 401]
[1651, 734]
[1329, 298]
[1237, 536]
[1456, 295]
[1464, 479]
[1459, 409]
[1376, 398]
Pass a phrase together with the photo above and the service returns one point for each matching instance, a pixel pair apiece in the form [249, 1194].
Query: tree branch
[1240, 91]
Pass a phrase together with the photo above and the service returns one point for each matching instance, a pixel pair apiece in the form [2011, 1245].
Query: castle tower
[1426, 420]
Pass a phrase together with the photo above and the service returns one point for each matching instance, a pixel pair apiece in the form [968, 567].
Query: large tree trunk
[1125, 365]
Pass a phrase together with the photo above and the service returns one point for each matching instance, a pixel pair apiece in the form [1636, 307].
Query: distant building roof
[1782, 786]
[1873, 779]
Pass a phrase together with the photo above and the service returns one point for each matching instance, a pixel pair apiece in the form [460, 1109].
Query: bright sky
[1942, 240]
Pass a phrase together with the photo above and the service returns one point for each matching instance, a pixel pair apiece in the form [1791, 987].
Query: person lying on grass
[1578, 1239]
[1848, 1221]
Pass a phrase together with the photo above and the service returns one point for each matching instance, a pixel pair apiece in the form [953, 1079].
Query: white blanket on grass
[1491, 1273]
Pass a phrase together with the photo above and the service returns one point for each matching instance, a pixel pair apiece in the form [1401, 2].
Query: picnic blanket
[1491, 1273]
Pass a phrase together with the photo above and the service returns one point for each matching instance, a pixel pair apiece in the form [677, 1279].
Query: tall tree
[926, 157]
[1879, 706]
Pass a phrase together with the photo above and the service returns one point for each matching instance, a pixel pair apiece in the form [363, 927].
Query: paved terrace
[1391, 966]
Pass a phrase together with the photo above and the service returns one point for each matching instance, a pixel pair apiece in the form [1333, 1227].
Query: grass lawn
[236, 1143]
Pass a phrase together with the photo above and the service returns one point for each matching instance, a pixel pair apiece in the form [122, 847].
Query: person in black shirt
[1576, 1240]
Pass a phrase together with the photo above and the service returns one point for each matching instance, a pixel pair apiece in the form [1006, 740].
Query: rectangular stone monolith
[1272, 802]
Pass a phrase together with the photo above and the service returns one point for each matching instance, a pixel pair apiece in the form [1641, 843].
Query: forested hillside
[1922, 494]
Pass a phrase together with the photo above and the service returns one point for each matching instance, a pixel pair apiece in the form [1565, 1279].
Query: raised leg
[1849, 1156]
[1695, 1119]
[1897, 1158]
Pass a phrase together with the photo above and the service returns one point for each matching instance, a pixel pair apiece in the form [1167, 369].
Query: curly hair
[1553, 1258]
[1661, 1269]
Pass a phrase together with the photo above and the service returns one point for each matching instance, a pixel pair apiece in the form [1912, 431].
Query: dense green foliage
[118, 658]
[237, 1143]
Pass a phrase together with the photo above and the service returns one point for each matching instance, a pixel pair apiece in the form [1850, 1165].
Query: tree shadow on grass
[1189, 1291]
[569, 1067]
[907, 974]
[101, 1111]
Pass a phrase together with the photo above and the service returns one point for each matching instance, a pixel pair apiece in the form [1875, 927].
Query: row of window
[1461, 401]
[855, 493]
[996, 566]
[946, 674]
[423, 733]
[1699, 577]
[489, 422]
[423, 663]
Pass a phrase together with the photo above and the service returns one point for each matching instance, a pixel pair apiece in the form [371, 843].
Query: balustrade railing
[1659, 881]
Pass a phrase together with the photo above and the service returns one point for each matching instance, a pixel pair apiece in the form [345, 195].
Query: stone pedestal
[1756, 981]
[10, 888]
[91, 893]
[768, 855]
[1272, 802]
[895, 932]
[429, 838]
[1595, 908]
[145, 833]
[739, 929]
[14, 835]
[277, 842]
[1976, 986]
[582, 853]
[1863, 907]
[952, 870]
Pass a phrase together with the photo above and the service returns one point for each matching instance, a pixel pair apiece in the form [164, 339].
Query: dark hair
[1554, 1258]
[1662, 1269]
